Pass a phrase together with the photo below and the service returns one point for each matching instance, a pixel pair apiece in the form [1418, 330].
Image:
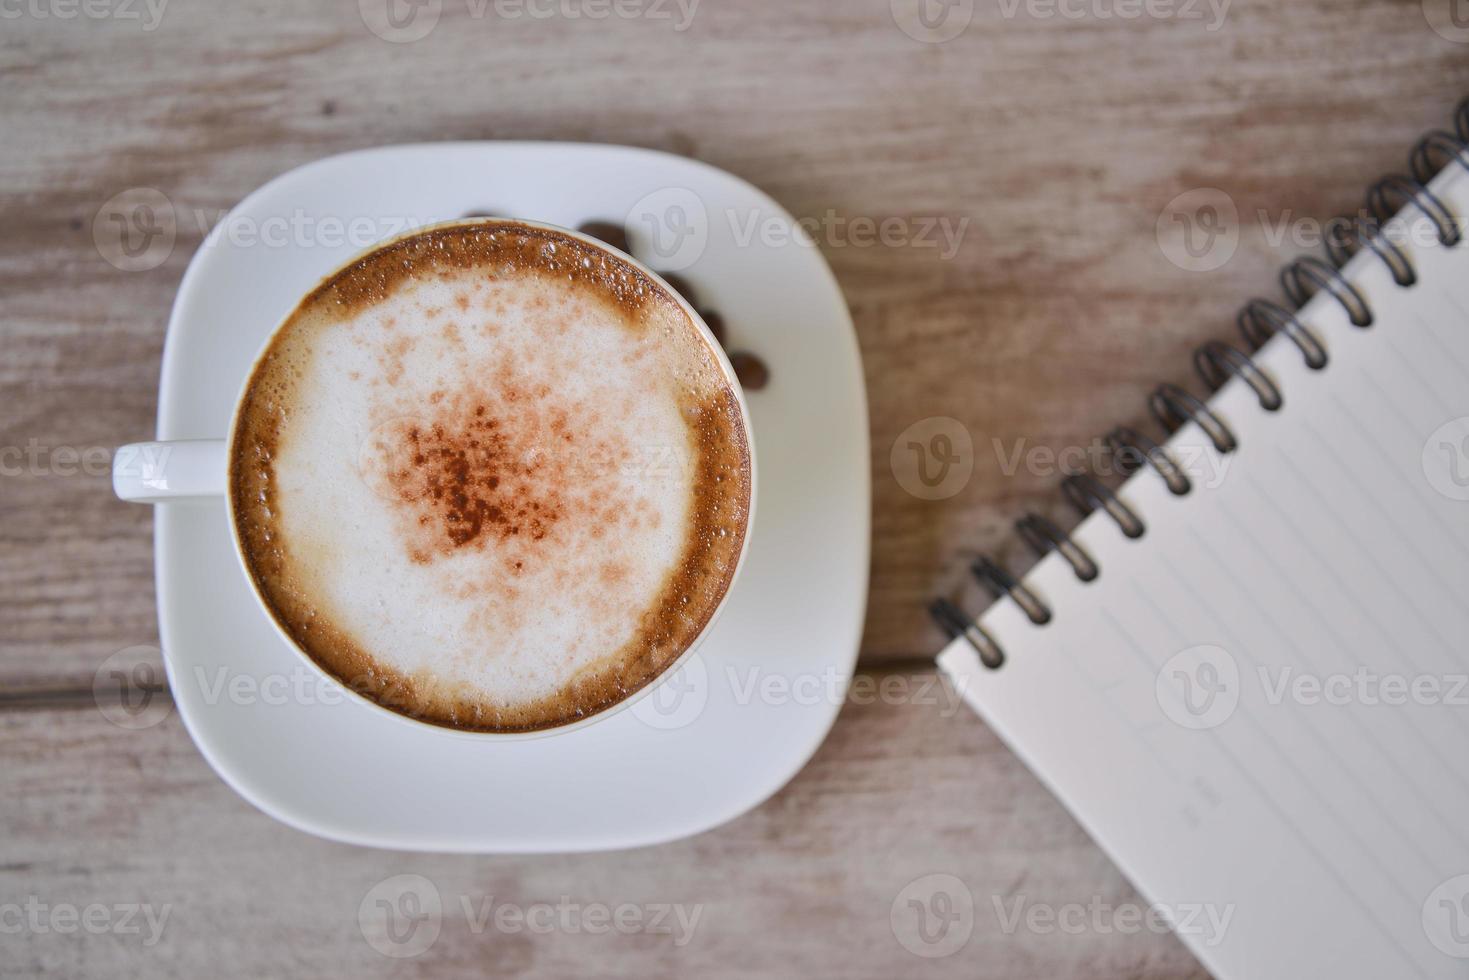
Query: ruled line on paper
[1369, 737]
[1321, 859]
[1307, 723]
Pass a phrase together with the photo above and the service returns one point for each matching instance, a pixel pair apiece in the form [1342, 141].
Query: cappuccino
[491, 476]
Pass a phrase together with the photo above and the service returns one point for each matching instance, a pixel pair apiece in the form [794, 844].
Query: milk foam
[483, 483]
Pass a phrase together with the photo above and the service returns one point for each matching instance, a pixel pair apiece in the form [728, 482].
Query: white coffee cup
[198, 469]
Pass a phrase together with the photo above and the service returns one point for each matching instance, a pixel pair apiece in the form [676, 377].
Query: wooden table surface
[1055, 135]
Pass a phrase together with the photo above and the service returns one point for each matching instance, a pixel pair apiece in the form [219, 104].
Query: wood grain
[803, 886]
[1060, 140]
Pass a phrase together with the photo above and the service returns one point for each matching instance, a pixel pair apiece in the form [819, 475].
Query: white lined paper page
[1217, 708]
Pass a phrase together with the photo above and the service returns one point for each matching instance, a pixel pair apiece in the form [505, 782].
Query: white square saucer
[720, 736]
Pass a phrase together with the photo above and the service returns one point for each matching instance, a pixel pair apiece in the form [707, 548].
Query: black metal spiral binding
[1216, 362]
[1339, 249]
[1001, 582]
[1411, 192]
[1295, 278]
[1132, 449]
[1261, 319]
[1172, 406]
[1045, 537]
[956, 624]
[1420, 161]
[1087, 494]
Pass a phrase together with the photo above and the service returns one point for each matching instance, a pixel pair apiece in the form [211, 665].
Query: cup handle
[152, 472]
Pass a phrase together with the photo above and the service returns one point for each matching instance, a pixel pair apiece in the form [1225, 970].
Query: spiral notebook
[1246, 672]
